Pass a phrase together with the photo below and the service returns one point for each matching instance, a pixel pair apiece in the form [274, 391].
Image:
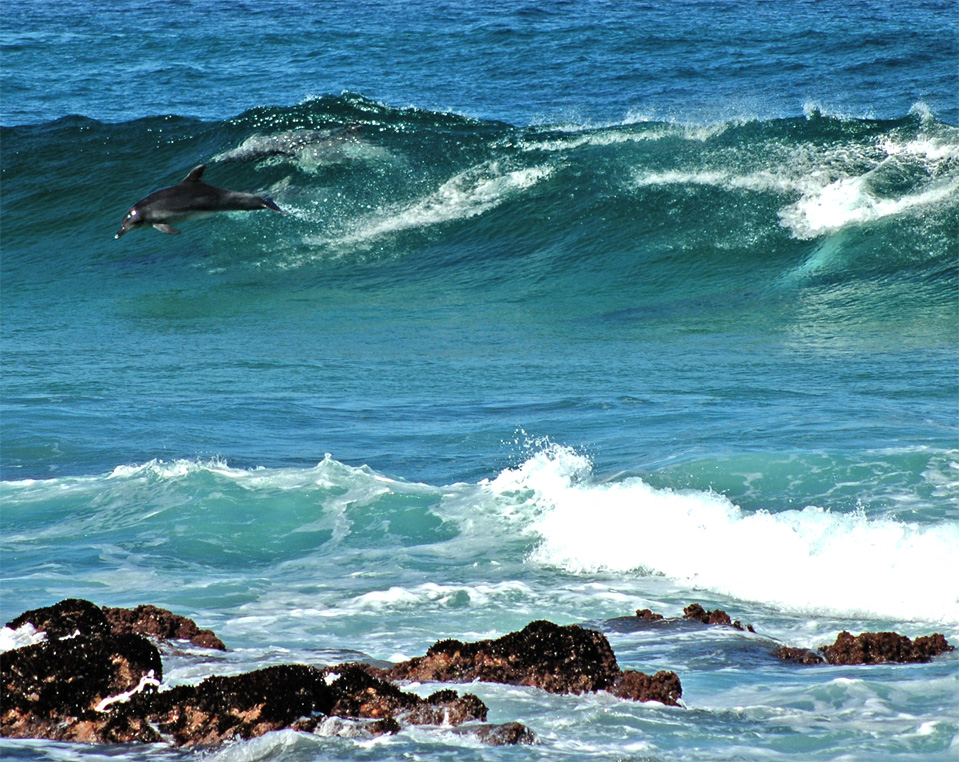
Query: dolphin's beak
[120, 232]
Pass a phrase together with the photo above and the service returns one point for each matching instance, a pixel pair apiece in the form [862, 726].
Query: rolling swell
[737, 206]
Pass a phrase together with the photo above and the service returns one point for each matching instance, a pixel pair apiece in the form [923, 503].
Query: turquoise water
[578, 309]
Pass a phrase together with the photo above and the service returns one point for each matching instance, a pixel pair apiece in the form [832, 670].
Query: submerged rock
[871, 648]
[74, 615]
[558, 659]
[507, 734]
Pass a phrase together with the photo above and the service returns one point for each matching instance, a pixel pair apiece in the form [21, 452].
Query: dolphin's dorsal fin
[195, 174]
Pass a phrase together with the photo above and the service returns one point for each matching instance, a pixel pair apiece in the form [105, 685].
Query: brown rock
[648, 616]
[51, 689]
[717, 616]
[222, 709]
[568, 659]
[161, 624]
[228, 708]
[880, 647]
[64, 619]
[637, 686]
[73, 615]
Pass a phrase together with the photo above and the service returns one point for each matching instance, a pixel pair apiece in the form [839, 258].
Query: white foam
[147, 681]
[25, 635]
[837, 185]
[400, 597]
[808, 561]
[850, 201]
[468, 194]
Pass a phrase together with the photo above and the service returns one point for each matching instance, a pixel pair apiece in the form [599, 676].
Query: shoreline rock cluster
[96, 677]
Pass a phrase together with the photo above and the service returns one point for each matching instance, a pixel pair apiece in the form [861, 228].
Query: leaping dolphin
[189, 200]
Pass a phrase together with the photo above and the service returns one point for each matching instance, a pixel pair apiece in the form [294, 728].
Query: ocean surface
[579, 308]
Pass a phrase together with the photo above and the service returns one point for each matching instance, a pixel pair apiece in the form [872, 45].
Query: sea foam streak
[808, 561]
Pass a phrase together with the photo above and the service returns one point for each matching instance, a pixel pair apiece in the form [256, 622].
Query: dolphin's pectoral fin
[195, 174]
[164, 228]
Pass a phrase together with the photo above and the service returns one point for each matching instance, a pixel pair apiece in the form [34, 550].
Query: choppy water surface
[577, 310]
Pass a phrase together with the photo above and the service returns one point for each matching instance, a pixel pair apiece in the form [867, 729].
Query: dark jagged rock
[84, 689]
[246, 706]
[64, 619]
[229, 708]
[161, 624]
[568, 659]
[871, 648]
[52, 689]
[717, 616]
[74, 615]
[648, 616]
[557, 659]
[663, 687]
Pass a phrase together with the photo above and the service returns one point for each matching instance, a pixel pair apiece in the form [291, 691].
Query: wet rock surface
[64, 619]
[558, 659]
[52, 689]
[871, 648]
[74, 615]
[95, 680]
[717, 616]
[648, 616]
[161, 624]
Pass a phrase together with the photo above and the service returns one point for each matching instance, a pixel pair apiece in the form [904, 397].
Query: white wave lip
[468, 194]
[810, 561]
[836, 187]
[849, 201]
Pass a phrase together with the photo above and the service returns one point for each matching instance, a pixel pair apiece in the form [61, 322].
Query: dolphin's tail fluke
[269, 203]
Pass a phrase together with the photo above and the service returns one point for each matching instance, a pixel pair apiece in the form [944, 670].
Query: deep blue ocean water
[579, 308]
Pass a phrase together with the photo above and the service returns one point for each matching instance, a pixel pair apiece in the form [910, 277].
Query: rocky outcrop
[558, 659]
[75, 615]
[648, 616]
[296, 696]
[717, 616]
[871, 648]
[62, 689]
[95, 679]
[161, 624]
[102, 689]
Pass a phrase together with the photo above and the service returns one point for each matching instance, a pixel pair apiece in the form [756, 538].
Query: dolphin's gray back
[189, 198]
